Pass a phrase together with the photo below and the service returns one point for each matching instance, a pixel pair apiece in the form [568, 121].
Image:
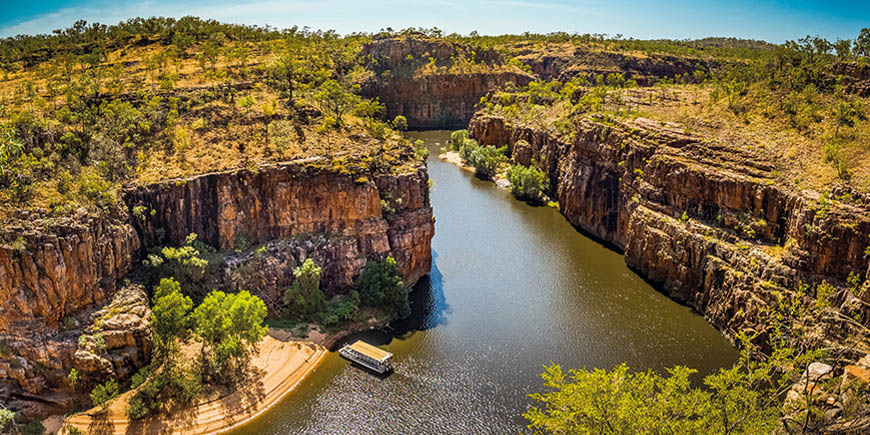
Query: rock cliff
[64, 303]
[704, 221]
[440, 94]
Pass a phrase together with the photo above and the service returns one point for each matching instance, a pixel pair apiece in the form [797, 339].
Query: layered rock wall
[64, 303]
[706, 222]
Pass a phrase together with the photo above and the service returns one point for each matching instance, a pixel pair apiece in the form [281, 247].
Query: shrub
[32, 428]
[400, 123]
[379, 285]
[102, 394]
[457, 139]
[230, 325]
[528, 183]
[486, 161]
[73, 378]
[170, 314]
[7, 420]
[305, 298]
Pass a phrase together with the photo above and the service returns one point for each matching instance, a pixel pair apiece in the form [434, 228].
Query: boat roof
[370, 351]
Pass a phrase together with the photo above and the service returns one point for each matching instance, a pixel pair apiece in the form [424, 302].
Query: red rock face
[432, 100]
[66, 284]
[438, 100]
[629, 185]
[60, 273]
[388, 216]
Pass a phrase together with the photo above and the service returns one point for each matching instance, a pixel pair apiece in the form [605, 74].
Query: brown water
[512, 287]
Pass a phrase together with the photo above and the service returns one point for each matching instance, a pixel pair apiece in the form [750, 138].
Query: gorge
[672, 211]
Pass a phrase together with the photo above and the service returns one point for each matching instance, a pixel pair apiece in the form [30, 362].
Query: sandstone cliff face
[629, 185]
[63, 303]
[443, 99]
[390, 215]
[439, 100]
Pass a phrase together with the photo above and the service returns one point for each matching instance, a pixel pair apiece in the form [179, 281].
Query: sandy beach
[284, 364]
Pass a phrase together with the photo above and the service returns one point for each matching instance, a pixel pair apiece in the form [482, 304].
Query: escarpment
[432, 82]
[64, 302]
[705, 221]
[296, 210]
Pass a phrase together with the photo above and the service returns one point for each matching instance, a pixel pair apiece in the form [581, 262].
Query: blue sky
[771, 20]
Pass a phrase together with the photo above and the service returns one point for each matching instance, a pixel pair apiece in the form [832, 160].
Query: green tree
[102, 394]
[230, 325]
[486, 160]
[305, 298]
[528, 183]
[335, 100]
[170, 312]
[400, 123]
[379, 285]
[73, 378]
[457, 139]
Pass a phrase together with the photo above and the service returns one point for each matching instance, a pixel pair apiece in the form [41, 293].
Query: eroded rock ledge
[61, 285]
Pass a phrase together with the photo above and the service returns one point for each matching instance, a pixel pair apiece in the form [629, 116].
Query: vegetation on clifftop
[93, 108]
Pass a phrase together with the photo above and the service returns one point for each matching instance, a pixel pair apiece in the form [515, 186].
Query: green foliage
[457, 139]
[192, 264]
[7, 420]
[73, 378]
[740, 399]
[380, 286]
[157, 390]
[230, 325]
[335, 100]
[684, 219]
[169, 313]
[528, 183]
[102, 394]
[304, 298]
[400, 123]
[487, 160]
[824, 293]
[32, 428]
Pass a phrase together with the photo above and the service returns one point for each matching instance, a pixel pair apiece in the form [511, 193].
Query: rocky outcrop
[110, 342]
[704, 221]
[564, 64]
[439, 100]
[47, 275]
[443, 97]
[855, 77]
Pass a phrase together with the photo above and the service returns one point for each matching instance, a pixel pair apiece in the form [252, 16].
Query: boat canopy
[370, 351]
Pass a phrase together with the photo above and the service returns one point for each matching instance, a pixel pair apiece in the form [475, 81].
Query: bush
[379, 285]
[486, 161]
[170, 312]
[304, 298]
[528, 183]
[191, 264]
[457, 139]
[7, 420]
[32, 428]
[102, 394]
[466, 148]
[400, 123]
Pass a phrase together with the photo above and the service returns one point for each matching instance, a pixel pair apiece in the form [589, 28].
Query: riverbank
[283, 364]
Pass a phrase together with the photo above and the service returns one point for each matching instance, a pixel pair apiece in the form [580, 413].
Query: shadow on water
[429, 309]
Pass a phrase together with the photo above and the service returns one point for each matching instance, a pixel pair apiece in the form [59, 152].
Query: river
[512, 287]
